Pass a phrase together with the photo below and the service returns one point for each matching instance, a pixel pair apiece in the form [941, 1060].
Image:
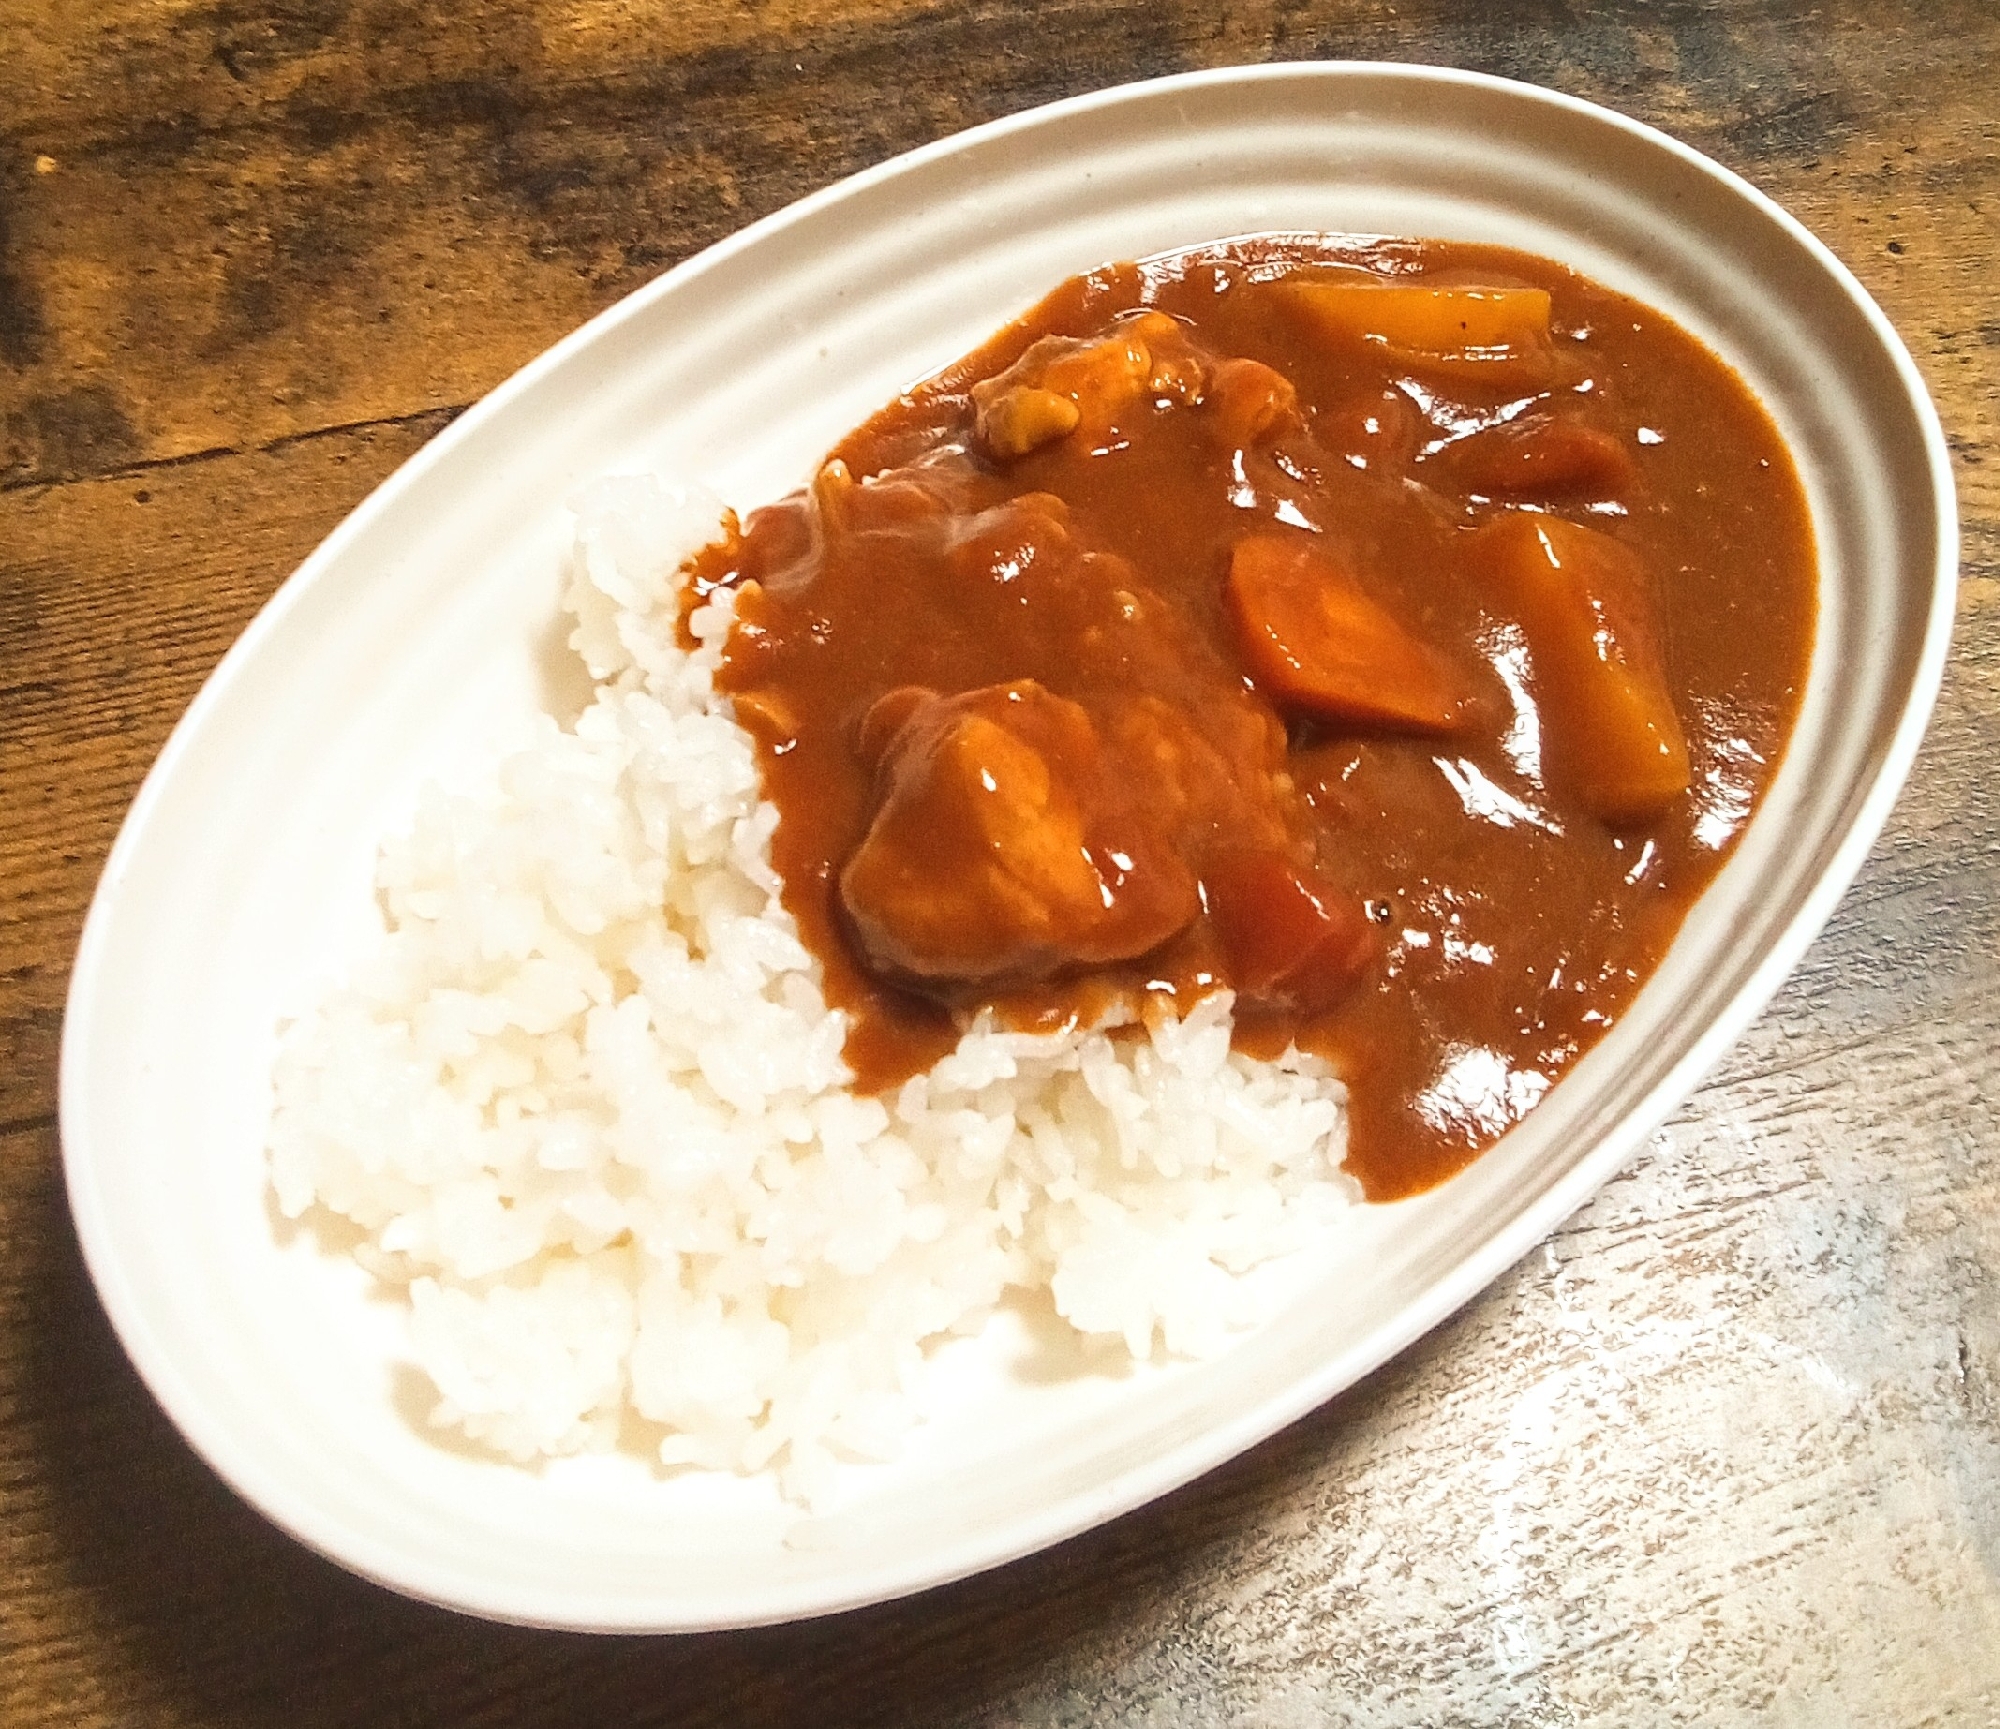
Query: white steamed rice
[588, 1104]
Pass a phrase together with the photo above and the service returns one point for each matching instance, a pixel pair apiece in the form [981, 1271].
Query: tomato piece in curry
[1397, 634]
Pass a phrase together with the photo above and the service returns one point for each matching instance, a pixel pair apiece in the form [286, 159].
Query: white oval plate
[426, 628]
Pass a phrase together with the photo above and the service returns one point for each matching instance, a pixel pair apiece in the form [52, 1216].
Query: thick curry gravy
[1259, 617]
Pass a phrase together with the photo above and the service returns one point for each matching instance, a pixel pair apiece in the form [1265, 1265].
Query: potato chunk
[1609, 732]
[1003, 849]
[1481, 331]
[1317, 645]
[1026, 418]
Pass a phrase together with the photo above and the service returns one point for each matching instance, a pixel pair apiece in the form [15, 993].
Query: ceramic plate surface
[426, 630]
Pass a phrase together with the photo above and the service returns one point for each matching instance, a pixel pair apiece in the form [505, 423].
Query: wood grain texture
[1726, 1451]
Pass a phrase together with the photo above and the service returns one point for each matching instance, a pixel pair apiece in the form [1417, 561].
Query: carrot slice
[1292, 940]
[1610, 734]
[1315, 643]
[1452, 328]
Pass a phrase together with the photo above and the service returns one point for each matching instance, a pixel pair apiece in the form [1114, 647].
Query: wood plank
[124, 66]
[1726, 1451]
[117, 597]
[388, 223]
[333, 261]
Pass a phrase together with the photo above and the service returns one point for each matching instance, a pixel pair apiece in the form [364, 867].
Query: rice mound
[587, 1103]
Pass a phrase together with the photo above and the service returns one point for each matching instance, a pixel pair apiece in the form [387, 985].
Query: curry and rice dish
[1241, 734]
[1393, 635]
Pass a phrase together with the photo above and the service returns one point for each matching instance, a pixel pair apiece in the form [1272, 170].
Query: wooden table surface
[1725, 1451]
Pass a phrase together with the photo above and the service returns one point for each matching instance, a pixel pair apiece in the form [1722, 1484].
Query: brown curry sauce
[1397, 633]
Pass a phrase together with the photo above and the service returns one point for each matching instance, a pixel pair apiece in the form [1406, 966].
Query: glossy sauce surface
[1406, 665]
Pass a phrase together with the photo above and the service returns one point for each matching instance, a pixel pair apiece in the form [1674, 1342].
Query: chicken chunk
[1063, 384]
[1216, 774]
[1004, 849]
